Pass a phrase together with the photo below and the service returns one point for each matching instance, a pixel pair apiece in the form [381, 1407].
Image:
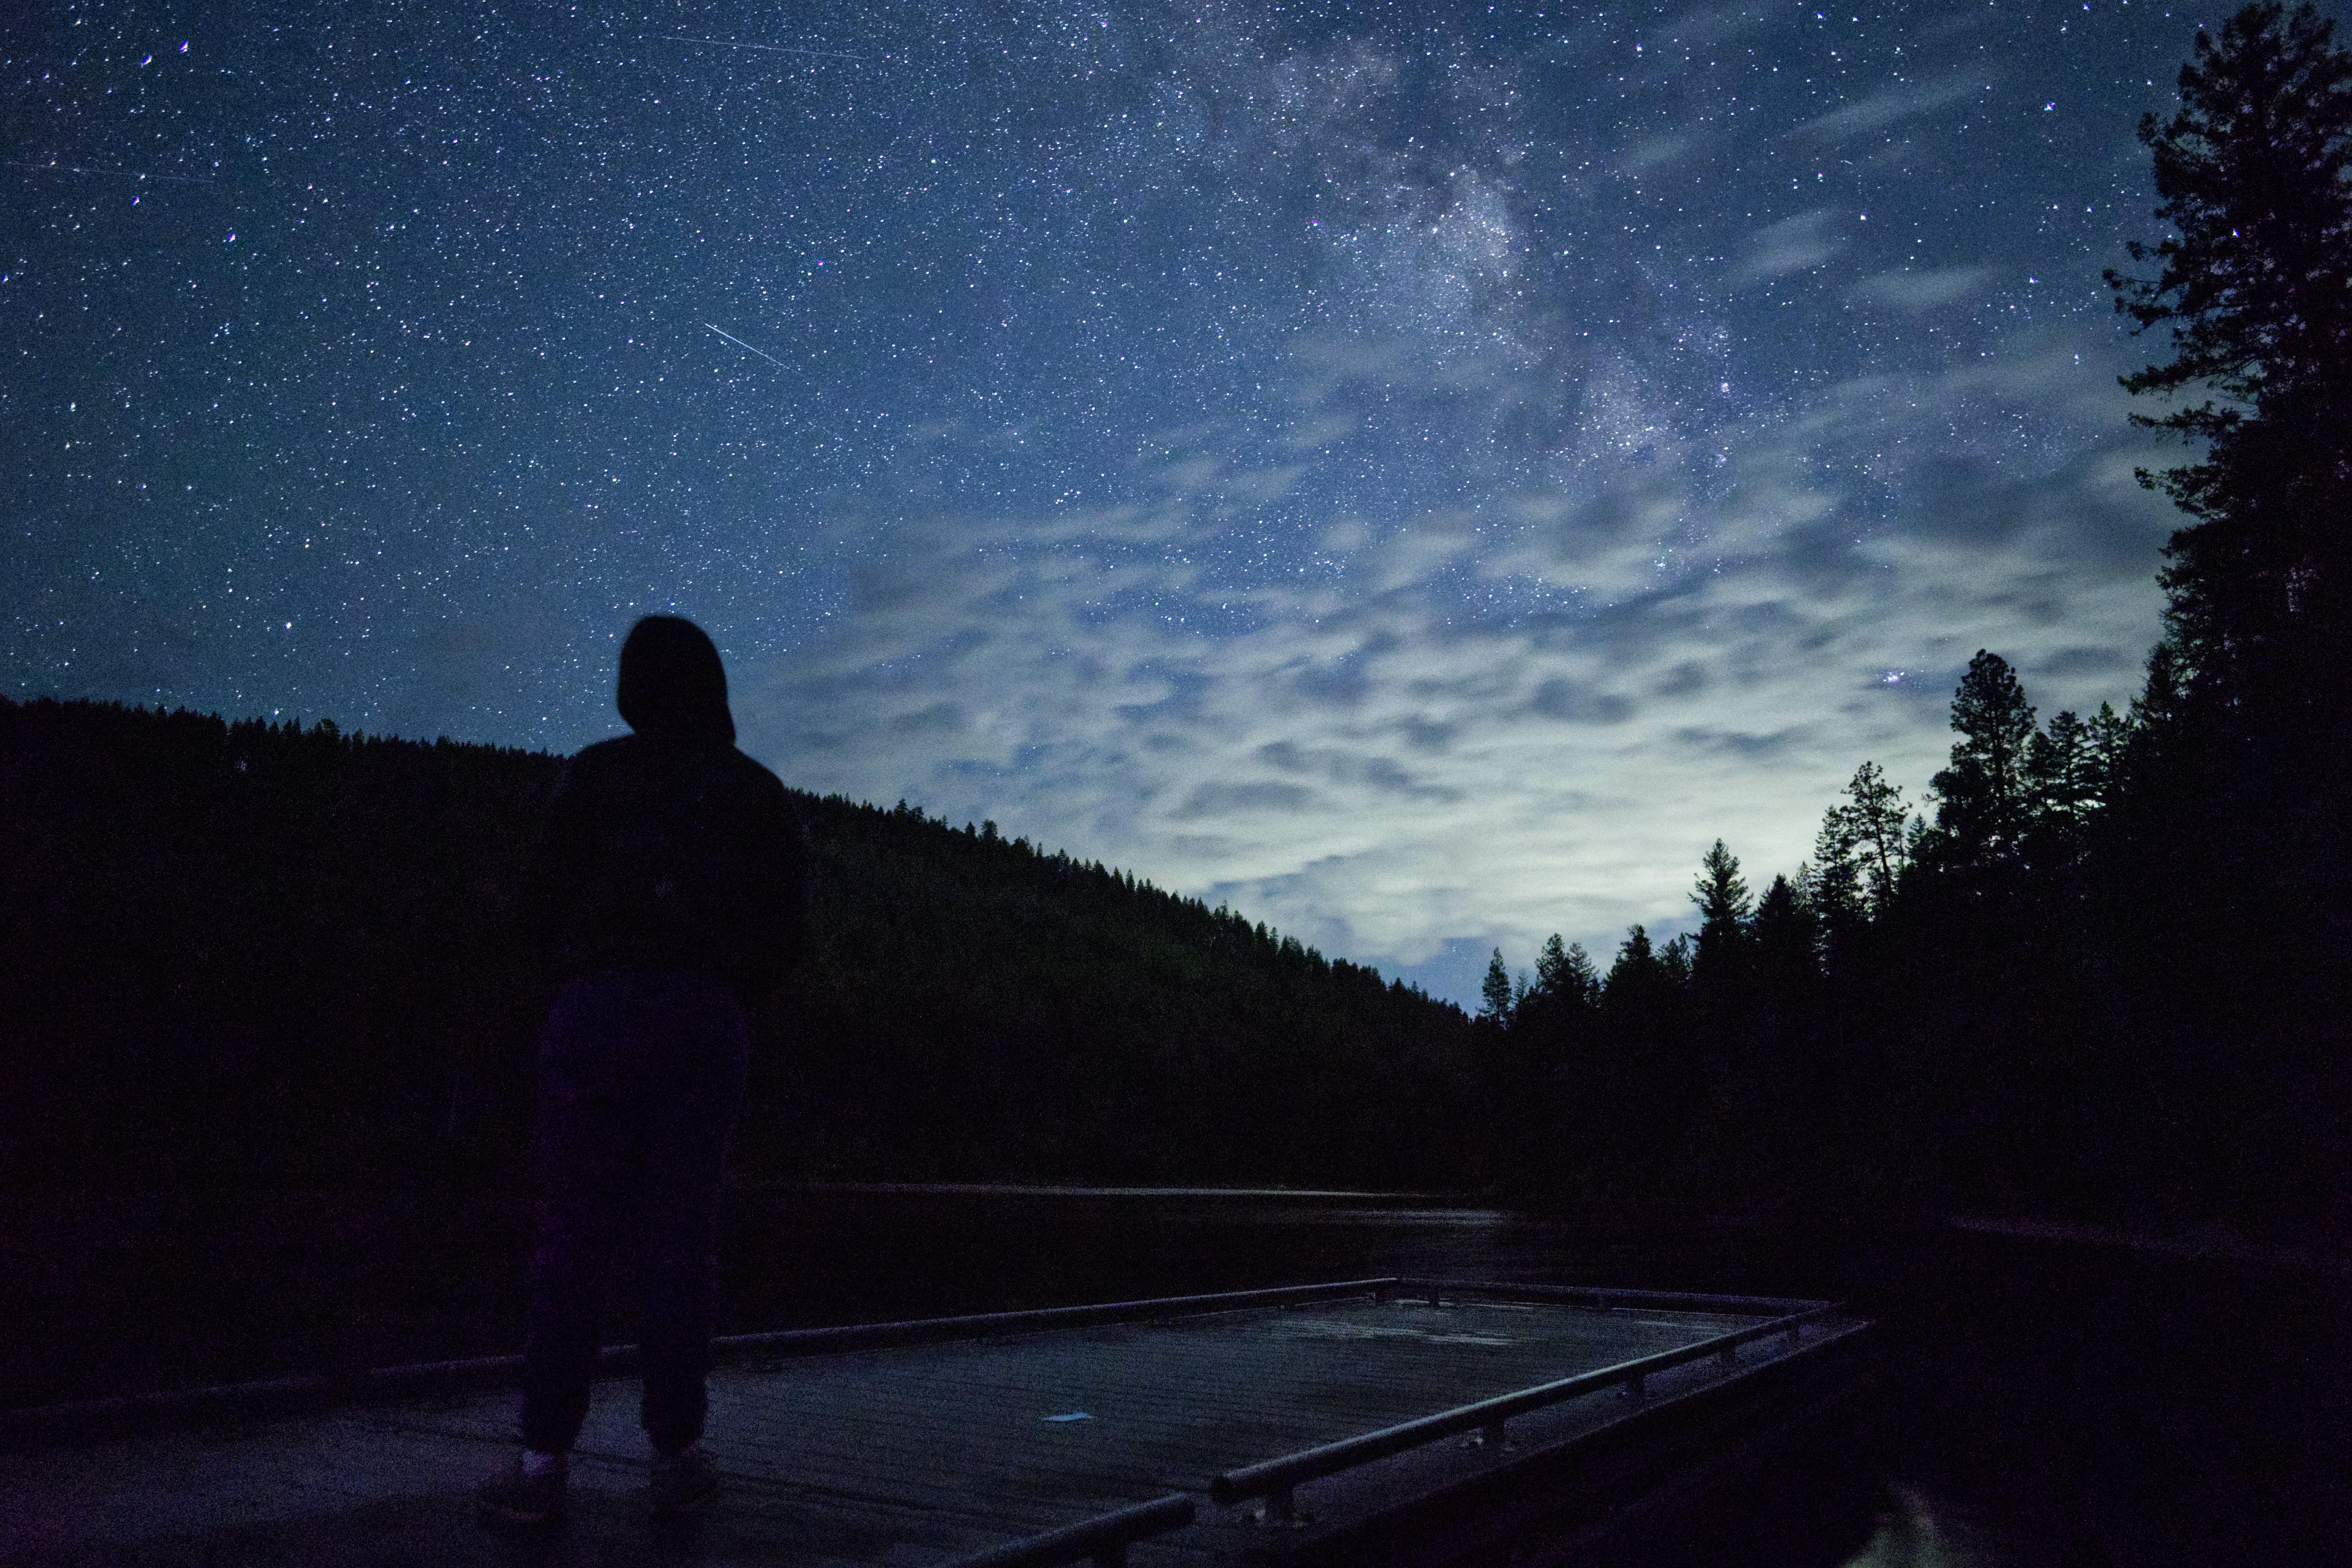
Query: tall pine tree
[1984, 799]
[1495, 999]
[1723, 907]
[2254, 170]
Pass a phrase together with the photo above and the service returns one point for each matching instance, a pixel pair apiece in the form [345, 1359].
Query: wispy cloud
[1510, 592]
[1929, 289]
[1889, 107]
[1792, 245]
[1376, 764]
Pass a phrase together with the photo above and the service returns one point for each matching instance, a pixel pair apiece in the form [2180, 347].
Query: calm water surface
[2043, 1404]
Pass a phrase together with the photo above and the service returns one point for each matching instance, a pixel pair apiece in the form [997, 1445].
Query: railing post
[1281, 1507]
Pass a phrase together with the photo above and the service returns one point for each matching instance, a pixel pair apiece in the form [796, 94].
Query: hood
[672, 684]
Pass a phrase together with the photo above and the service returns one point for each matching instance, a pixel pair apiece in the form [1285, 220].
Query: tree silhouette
[1566, 973]
[1984, 799]
[1723, 907]
[1860, 855]
[1494, 998]
[1787, 938]
[1635, 972]
[1840, 906]
[2255, 173]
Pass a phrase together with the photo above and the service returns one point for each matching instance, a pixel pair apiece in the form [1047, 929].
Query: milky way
[1419, 474]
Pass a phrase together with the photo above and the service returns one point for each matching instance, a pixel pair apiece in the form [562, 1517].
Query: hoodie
[666, 847]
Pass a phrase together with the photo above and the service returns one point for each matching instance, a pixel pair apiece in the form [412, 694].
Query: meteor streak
[54, 168]
[770, 49]
[742, 344]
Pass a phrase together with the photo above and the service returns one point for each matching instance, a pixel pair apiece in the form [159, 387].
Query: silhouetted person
[670, 893]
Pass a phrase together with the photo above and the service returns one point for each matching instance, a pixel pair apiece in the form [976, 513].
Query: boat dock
[1342, 1423]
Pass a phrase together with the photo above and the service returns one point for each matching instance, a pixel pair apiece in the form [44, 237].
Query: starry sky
[1417, 473]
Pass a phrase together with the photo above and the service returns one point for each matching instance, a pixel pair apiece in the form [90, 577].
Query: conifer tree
[1787, 936]
[1566, 973]
[1723, 907]
[1865, 844]
[1583, 979]
[1838, 899]
[2254, 170]
[1494, 993]
[1550, 959]
[1983, 799]
[2062, 772]
[1635, 972]
[2110, 738]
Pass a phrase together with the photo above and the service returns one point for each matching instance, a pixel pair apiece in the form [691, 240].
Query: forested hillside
[264, 953]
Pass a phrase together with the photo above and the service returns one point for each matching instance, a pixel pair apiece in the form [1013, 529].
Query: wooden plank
[905, 1455]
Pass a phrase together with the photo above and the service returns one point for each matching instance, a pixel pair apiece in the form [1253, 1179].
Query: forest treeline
[2067, 980]
[258, 953]
[2104, 965]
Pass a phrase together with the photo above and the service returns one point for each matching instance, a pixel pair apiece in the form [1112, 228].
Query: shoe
[515, 1497]
[683, 1482]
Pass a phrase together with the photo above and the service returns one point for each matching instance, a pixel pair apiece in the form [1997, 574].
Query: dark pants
[640, 1078]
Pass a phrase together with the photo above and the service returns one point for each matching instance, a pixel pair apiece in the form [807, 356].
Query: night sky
[1418, 474]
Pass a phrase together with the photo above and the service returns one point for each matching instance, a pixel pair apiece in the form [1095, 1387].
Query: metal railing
[1604, 1299]
[1274, 1480]
[1104, 1538]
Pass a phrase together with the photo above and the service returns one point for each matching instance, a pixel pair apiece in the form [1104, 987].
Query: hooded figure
[669, 895]
[672, 683]
[669, 847]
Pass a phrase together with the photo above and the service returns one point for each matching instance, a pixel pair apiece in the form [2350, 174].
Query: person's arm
[771, 931]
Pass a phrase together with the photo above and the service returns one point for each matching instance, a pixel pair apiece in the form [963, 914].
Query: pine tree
[1566, 973]
[2061, 773]
[1550, 961]
[1494, 993]
[1838, 897]
[1865, 844]
[1787, 937]
[1635, 972]
[2157, 713]
[1984, 803]
[1723, 907]
[2110, 738]
[2254, 171]
[1585, 979]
